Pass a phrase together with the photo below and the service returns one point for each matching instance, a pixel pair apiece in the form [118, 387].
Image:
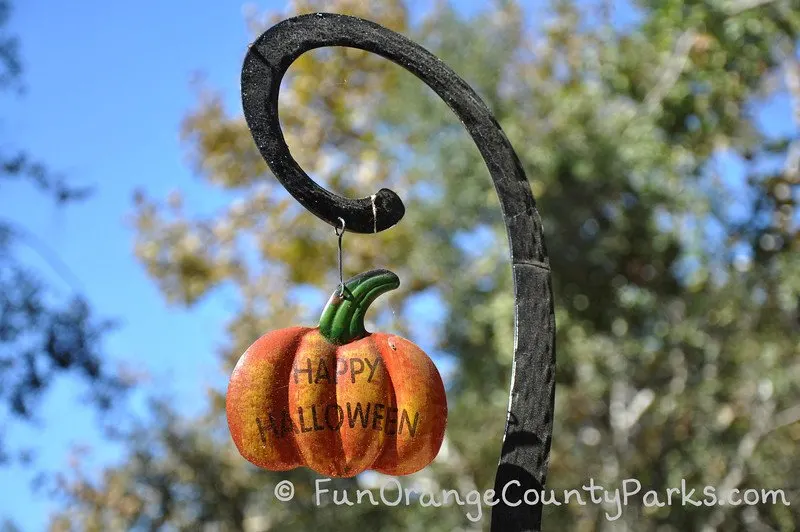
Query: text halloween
[379, 417]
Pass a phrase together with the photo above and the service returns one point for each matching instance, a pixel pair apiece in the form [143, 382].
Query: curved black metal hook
[526, 442]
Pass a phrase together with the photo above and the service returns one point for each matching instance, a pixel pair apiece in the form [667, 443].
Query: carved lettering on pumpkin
[340, 371]
[298, 371]
[358, 412]
[372, 368]
[355, 367]
[322, 372]
[261, 432]
[376, 417]
[314, 417]
[339, 416]
[353, 371]
[412, 429]
[286, 421]
[390, 419]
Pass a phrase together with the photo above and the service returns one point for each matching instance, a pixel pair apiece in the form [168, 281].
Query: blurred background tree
[676, 285]
[42, 334]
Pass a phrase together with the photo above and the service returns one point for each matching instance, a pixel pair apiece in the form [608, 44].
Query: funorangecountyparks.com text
[630, 492]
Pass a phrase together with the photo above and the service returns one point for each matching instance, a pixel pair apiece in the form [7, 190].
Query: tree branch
[672, 70]
[44, 251]
[786, 417]
[762, 423]
[738, 7]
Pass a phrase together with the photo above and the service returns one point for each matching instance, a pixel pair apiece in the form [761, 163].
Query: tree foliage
[676, 287]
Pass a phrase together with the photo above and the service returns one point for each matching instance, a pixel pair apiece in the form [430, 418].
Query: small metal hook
[340, 234]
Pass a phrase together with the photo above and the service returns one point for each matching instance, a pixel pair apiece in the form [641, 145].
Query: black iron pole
[526, 443]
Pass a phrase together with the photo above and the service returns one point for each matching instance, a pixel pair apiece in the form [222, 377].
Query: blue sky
[108, 84]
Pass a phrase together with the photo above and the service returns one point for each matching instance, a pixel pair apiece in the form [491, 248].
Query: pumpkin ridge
[291, 389]
[294, 351]
[390, 439]
[338, 433]
[286, 453]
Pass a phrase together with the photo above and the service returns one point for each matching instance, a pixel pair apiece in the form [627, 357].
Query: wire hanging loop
[340, 233]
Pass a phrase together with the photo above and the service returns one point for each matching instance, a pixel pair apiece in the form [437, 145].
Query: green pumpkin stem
[342, 319]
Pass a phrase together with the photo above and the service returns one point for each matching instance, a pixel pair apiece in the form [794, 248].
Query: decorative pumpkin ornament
[336, 398]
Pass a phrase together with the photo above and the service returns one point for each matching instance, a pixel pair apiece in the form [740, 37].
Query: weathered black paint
[526, 443]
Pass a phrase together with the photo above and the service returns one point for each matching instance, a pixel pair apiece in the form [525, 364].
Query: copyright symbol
[284, 491]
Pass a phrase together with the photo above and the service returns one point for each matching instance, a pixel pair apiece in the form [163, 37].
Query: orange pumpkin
[336, 398]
